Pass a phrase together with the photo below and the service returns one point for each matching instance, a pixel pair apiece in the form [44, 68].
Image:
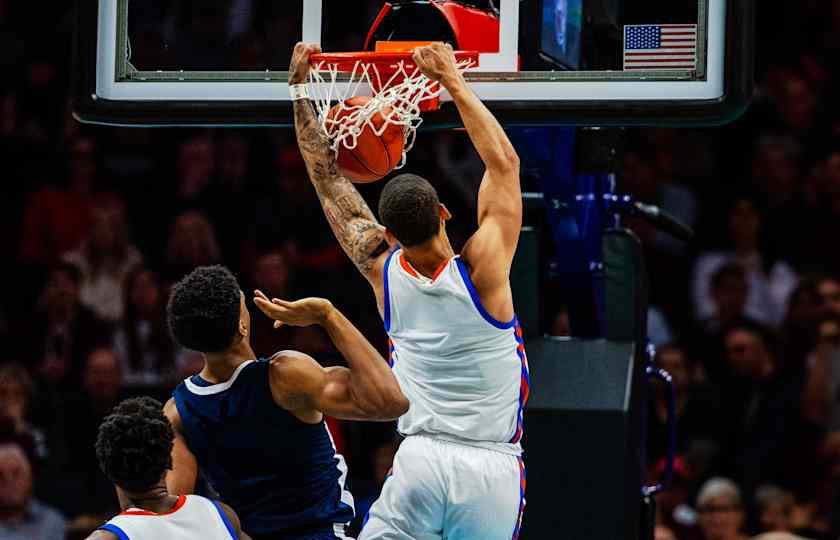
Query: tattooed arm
[354, 225]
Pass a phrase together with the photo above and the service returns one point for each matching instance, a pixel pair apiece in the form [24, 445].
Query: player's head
[206, 311]
[134, 445]
[411, 211]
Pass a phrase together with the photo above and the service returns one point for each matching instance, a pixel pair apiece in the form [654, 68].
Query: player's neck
[427, 258]
[219, 367]
[156, 500]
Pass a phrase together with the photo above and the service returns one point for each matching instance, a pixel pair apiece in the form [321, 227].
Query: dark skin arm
[367, 390]
[102, 535]
[234, 520]
[182, 478]
[354, 225]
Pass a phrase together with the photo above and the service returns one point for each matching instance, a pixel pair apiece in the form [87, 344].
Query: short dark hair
[134, 444]
[409, 207]
[203, 309]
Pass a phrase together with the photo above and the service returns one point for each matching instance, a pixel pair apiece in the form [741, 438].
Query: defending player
[133, 448]
[256, 428]
[456, 346]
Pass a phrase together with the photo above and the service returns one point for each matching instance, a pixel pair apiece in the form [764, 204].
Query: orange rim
[345, 62]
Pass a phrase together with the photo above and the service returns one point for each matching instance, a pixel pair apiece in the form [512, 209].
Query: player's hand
[305, 312]
[299, 67]
[437, 62]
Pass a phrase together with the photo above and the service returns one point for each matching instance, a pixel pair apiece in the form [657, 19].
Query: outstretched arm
[354, 225]
[491, 249]
[367, 390]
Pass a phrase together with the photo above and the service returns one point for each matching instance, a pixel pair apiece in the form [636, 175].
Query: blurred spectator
[192, 243]
[142, 341]
[57, 219]
[648, 175]
[196, 169]
[290, 214]
[762, 407]
[729, 292]
[102, 388]
[696, 408]
[104, 261]
[769, 282]
[63, 330]
[821, 398]
[272, 275]
[828, 288]
[22, 517]
[806, 307]
[16, 389]
[663, 533]
[721, 511]
[673, 506]
[233, 201]
[729, 296]
[774, 506]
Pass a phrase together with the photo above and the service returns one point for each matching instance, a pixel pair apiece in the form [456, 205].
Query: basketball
[374, 155]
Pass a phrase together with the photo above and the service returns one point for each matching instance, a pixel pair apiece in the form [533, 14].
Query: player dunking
[256, 428]
[456, 346]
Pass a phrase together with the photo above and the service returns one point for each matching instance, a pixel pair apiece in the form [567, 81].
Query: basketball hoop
[400, 93]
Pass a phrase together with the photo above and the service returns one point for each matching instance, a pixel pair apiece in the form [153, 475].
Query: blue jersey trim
[465, 275]
[225, 520]
[386, 303]
[113, 529]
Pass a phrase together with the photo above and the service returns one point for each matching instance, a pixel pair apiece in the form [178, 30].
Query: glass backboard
[562, 62]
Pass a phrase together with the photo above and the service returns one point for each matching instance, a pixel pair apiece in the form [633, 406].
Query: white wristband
[299, 91]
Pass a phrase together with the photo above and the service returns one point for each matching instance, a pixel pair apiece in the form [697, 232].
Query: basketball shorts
[440, 489]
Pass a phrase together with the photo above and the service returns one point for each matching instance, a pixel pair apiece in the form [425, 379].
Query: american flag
[650, 47]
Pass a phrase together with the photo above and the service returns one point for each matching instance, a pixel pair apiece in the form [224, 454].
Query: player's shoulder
[289, 369]
[290, 361]
[100, 534]
[170, 410]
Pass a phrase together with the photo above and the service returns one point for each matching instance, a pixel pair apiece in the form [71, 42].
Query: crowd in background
[97, 223]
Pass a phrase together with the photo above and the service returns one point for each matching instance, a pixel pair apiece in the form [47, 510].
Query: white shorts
[440, 489]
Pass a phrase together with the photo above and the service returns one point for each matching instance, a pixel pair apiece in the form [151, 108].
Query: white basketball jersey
[192, 517]
[465, 373]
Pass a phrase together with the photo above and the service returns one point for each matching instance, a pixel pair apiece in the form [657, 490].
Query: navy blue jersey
[281, 475]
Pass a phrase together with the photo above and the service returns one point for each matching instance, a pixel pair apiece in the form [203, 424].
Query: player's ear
[445, 214]
[244, 317]
[390, 238]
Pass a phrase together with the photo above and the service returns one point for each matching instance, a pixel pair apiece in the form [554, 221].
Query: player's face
[15, 478]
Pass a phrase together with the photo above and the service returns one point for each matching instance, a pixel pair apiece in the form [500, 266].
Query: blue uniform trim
[225, 519]
[465, 275]
[113, 529]
[386, 303]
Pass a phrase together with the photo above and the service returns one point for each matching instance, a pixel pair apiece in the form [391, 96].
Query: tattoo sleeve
[352, 222]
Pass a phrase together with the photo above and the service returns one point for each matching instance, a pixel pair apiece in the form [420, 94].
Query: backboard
[559, 62]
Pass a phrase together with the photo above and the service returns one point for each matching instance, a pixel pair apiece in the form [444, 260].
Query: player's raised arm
[367, 390]
[500, 196]
[354, 225]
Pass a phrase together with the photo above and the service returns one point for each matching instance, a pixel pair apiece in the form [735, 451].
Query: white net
[397, 97]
